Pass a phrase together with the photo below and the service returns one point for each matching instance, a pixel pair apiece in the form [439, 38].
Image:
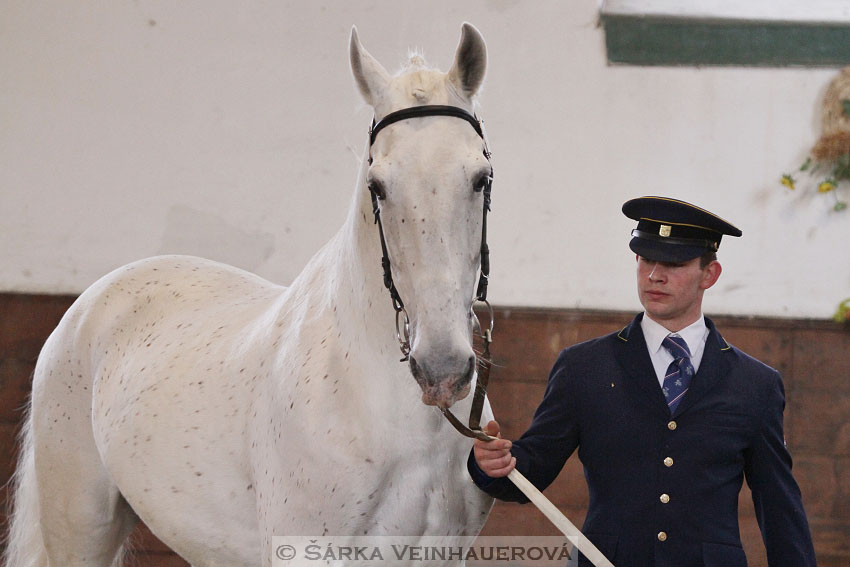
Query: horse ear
[467, 72]
[371, 77]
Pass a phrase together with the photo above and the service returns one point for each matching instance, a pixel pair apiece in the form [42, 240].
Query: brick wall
[814, 358]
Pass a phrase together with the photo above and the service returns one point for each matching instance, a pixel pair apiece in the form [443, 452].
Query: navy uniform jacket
[664, 488]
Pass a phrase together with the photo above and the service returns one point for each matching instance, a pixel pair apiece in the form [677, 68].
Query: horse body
[223, 410]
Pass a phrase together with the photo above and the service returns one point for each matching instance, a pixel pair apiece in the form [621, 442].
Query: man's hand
[494, 457]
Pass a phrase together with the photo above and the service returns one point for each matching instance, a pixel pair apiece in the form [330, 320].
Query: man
[668, 419]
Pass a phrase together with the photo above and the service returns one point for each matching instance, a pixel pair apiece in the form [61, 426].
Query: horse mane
[415, 61]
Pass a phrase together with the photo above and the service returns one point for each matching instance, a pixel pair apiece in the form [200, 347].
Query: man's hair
[707, 258]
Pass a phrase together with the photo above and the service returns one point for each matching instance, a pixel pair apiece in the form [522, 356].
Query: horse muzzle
[444, 382]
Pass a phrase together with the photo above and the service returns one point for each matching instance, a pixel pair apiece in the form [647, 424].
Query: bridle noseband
[402, 321]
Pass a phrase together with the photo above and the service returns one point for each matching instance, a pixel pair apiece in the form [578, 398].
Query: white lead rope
[561, 522]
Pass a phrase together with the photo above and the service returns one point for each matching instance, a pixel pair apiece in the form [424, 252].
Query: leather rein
[402, 323]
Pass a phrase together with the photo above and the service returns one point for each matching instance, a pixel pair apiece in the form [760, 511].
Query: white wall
[232, 130]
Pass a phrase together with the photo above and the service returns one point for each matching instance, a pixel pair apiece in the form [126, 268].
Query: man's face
[671, 293]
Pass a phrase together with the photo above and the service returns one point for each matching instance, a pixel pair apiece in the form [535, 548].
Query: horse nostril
[470, 370]
[426, 377]
[418, 374]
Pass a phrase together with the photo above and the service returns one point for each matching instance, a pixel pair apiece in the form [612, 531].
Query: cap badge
[664, 230]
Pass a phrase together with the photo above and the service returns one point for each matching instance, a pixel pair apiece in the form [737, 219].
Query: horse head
[427, 174]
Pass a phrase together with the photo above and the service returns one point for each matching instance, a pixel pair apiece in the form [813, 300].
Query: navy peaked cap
[670, 230]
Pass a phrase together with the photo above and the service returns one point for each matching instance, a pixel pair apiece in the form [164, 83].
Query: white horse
[223, 410]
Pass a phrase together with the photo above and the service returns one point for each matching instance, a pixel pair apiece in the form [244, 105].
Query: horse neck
[355, 282]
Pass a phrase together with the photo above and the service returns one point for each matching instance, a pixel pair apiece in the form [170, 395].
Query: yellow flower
[826, 186]
[788, 181]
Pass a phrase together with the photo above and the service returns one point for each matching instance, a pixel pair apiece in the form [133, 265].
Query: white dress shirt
[694, 334]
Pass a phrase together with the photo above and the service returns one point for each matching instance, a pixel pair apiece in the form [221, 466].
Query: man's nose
[657, 272]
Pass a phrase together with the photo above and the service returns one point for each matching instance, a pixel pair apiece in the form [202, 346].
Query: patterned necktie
[679, 373]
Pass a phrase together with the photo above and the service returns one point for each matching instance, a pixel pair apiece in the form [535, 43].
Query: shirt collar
[654, 333]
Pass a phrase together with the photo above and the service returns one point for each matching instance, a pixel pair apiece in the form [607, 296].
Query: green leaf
[839, 206]
[845, 104]
[842, 167]
[842, 314]
[806, 165]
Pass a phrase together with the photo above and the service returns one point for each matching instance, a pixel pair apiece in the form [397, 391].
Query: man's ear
[710, 274]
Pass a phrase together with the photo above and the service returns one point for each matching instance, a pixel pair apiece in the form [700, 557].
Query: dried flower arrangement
[829, 162]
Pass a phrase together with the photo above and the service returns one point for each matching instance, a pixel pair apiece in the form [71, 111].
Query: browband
[419, 111]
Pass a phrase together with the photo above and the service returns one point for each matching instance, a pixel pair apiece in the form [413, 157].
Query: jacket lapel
[712, 368]
[633, 356]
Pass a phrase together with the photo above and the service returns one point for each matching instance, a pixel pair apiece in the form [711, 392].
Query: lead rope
[484, 362]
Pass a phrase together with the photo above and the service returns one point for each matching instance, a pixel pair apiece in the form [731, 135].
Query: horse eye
[377, 189]
[482, 182]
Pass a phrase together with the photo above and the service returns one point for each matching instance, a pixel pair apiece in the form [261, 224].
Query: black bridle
[402, 321]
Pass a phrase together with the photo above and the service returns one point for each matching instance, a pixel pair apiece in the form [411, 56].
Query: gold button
[662, 536]
[665, 498]
[672, 426]
[668, 462]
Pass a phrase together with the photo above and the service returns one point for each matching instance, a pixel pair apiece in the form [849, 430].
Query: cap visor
[660, 252]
